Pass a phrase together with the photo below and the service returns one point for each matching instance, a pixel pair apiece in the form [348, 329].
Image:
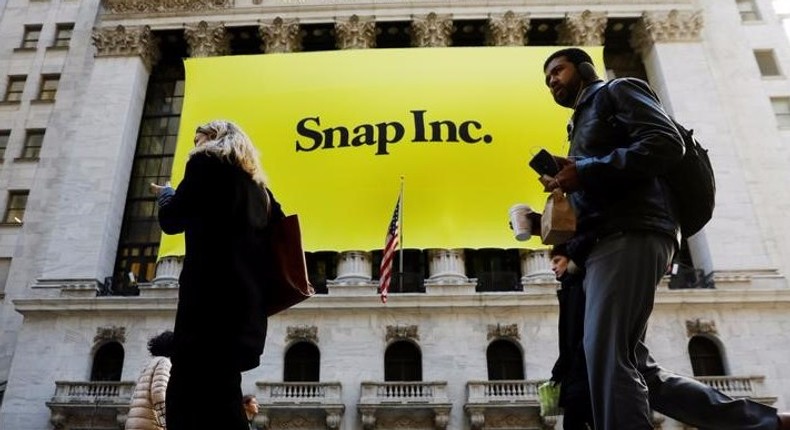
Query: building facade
[91, 99]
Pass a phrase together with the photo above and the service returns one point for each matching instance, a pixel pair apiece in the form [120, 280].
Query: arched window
[108, 362]
[402, 362]
[504, 361]
[705, 357]
[302, 363]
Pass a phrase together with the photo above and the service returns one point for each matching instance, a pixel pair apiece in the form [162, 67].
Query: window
[748, 10]
[48, 88]
[15, 208]
[504, 361]
[16, 84]
[412, 278]
[32, 146]
[30, 37]
[108, 362]
[4, 136]
[321, 267]
[781, 107]
[63, 34]
[402, 362]
[139, 241]
[5, 267]
[302, 363]
[705, 357]
[495, 269]
[766, 62]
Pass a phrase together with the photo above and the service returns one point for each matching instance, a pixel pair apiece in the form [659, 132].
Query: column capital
[583, 29]
[508, 29]
[122, 41]
[355, 33]
[431, 30]
[280, 35]
[207, 39]
[667, 27]
[158, 6]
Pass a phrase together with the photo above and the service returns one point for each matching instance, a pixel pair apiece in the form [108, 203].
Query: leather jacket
[622, 141]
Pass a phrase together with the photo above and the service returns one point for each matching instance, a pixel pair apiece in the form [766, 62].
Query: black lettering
[436, 131]
[364, 135]
[419, 125]
[463, 130]
[303, 130]
[329, 139]
[384, 138]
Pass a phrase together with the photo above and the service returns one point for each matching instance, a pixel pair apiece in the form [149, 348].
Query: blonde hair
[228, 141]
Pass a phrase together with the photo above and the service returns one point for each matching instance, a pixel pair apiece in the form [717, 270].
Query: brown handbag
[289, 282]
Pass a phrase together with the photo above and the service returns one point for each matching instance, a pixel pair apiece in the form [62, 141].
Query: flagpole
[400, 233]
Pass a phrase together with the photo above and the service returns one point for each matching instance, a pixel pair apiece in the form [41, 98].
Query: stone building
[91, 98]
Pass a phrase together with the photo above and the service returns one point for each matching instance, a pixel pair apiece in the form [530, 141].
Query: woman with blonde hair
[223, 207]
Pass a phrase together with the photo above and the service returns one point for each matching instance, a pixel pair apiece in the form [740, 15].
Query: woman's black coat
[223, 214]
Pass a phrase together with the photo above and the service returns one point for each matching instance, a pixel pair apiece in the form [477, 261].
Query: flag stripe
[390, 245]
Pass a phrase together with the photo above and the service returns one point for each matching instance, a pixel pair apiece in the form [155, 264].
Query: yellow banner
[338, 129]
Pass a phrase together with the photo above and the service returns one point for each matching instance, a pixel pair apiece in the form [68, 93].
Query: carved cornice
[432, 31]
[280, 36]
[121, 41]
[700, 326]
[207, 39]
[583, 29]
[163, 6]
[302, 333]
[398, 332]
[108, 334]
[667, 27]
[509, 29]
[356, 33]
[500, 331]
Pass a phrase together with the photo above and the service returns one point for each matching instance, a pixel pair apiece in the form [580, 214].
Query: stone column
[280, 36]
[582, 29]
[168, 270]
[88, 181]
[536, 267]
[509, 29]
[354, 267]
[446, 266]
[207, 39]
[355, 33]
[675, 37]
[431, 30]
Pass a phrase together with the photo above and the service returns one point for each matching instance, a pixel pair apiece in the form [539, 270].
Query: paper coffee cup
[520, 222]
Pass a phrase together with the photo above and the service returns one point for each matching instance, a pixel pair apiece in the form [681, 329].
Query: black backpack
[691, 181]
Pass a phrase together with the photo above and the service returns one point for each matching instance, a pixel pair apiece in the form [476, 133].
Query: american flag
[390, 245]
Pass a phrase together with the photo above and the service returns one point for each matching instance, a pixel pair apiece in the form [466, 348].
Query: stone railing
[93, 392]
[735, 386]
[299, 393]
[374, 393]
[506, 391]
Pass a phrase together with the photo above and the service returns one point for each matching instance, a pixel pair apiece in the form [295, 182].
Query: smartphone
[543, 163]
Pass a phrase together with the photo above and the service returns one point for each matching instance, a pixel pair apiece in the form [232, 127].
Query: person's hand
[157, 189]
[567, 179]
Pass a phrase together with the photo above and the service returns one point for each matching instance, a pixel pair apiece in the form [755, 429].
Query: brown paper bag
[558, 223]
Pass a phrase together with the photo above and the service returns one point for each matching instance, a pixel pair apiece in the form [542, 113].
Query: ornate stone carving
[168, 269]
[309, 333]
[582, 29]
[398, 332]
[700, 326]
[121, 41]
[500, 331]
[108, 334]
[432, 30]
[369, 419]
[666, 27]
[280, 36]
[441, 418]
[159, 6]
[356, 33]
[207, 40]
[333, 419]
[477, 418]
[509, 29]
